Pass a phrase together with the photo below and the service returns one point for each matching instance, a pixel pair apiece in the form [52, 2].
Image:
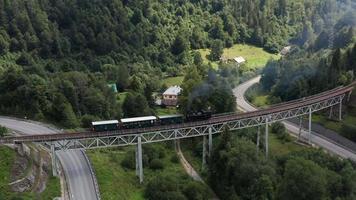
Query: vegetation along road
[242, 103]
[75, 166]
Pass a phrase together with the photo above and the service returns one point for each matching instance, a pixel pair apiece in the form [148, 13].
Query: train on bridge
[149, 121]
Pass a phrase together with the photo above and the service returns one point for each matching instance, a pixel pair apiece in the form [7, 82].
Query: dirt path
[190, 170]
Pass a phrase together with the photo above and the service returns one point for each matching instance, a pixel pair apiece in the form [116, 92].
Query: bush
[349, 131]
[162, 188]
[87, 119]
[280, 130]
[195, 191]
[175, 158]
[129, 161]
[3, 131]
[156, 164]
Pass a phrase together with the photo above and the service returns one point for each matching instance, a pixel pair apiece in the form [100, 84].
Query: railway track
[215, 119]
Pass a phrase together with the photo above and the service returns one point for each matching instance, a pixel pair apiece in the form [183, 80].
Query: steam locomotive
[149, 121]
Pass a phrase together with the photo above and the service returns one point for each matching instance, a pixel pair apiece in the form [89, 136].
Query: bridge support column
[139, 167]
[310, 131]
[204, 153]
[300, 127]
[331, 112]
[54, 160]
[175, 141]
[258, 139]
[266, 139]
[340, 111]
[210, 149]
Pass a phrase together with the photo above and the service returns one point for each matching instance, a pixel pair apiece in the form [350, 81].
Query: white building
[170, 96]
[285, 50]
[239, 60]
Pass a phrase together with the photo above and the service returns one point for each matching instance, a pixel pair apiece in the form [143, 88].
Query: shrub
[175, 158]
[349, 131]
[156, 164]
[129, 161]
[195, 191]
[3, 131]
[163, 187]
[87, 119]
[280, 130]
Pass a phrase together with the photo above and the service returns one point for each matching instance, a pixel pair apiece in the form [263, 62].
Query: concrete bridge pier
[309, 126]
[139, 167]
[300, 127]
[54, 160]
[210, 147]
[340, 111]
[204, 153]
[258, 139]
[266, 139]
[331, 112]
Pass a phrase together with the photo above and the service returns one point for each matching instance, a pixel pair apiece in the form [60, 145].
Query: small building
[113, 87]
[285, 50]
[239, 60]
[170, 96]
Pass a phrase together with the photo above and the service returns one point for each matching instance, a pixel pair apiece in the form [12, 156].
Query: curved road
[329, 145]
[75, 166]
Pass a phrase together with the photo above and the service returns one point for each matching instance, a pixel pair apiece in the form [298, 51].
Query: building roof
[169, 116]
[138, 119]
[113, 87]
[105, 122]
[239, 59]
[286, 50]
[173, 90]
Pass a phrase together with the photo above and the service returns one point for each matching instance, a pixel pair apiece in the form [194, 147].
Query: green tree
[235, 168]
[217, 49]
[163, 188]
[62, 112]
[179, 45]
[136, 84]
[135, 105]
[303, 179]
[4, 45]
[280, 130]
[198, 60]
[195, 191]
[3, 131]
[192, 80]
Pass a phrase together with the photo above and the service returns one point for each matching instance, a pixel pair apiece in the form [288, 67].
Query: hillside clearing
[256, 57]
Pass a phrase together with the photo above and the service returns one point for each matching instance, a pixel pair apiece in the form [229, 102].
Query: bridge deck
[259, 115]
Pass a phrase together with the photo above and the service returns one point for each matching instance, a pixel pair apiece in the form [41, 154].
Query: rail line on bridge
[207, 128]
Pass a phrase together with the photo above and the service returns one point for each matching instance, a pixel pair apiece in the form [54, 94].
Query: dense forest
[236, 171]
[57, 57]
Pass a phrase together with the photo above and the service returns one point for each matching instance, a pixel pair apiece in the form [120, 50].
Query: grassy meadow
[116, 182]
[255, 57]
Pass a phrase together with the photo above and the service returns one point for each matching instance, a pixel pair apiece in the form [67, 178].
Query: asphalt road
[75, 166]
[316, 138]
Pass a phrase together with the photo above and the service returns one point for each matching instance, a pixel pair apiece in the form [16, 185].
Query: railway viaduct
[206, 129]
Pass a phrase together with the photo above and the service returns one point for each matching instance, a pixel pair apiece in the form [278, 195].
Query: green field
[166, 111]
[256, 57]
[333, 124]
[116, 182]
[280, 148]
[7, 158]
[260, 101]
[171, 81]
[256, 96]
[120, 97]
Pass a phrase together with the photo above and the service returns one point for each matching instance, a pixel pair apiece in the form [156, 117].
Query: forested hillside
[57, 56]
